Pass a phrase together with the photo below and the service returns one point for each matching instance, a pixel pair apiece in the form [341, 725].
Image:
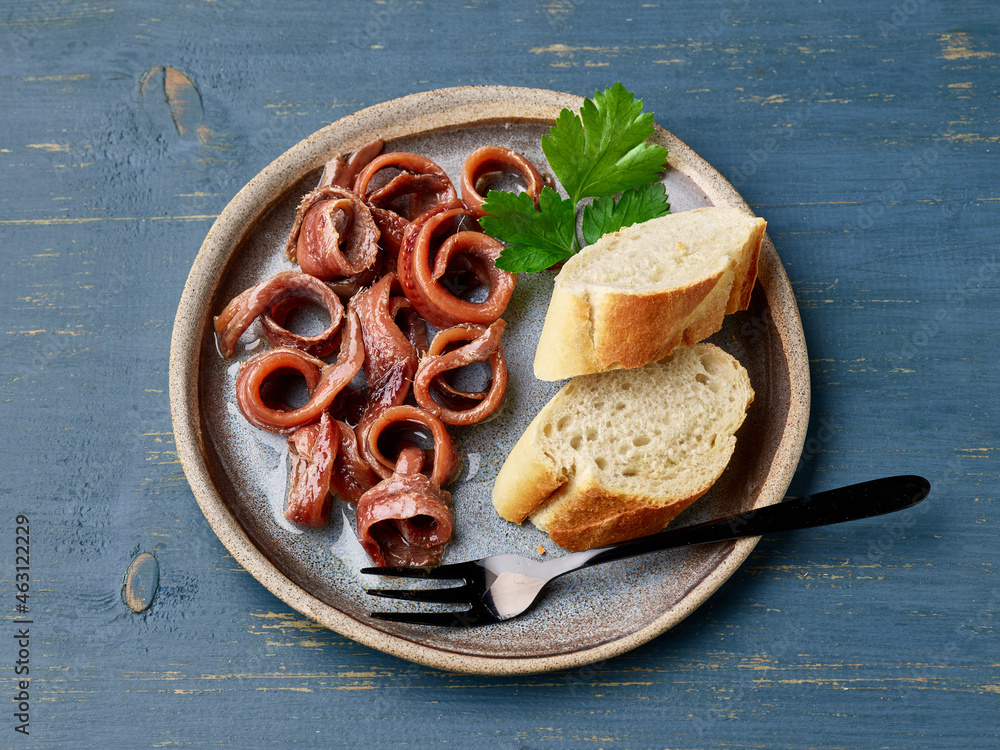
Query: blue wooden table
[867, 133]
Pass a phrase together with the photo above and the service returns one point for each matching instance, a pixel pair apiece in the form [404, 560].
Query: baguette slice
[636, 294]
[617, 455]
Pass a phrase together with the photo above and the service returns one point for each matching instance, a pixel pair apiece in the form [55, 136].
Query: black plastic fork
[500, 587]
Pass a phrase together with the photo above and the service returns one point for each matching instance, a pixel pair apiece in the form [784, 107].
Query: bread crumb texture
[652, 430]
[666, 253]
[617, 455]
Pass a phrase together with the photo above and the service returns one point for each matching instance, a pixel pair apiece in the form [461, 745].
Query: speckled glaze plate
[238, 473]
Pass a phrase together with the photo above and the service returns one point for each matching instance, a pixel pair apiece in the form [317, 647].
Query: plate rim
[423, 113]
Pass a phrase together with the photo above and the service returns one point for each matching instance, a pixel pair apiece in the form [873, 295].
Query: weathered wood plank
[866, 134]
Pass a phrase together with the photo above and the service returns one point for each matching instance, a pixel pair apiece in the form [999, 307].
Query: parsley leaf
[603, 151]
[597, 154]
[536, 239]
[606, 215]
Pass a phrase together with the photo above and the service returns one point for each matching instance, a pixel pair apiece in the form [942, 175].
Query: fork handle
[849, 503]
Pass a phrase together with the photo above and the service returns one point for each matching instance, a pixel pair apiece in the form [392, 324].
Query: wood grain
[866, 134]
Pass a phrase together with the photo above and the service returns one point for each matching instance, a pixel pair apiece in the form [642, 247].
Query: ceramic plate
[238, 473]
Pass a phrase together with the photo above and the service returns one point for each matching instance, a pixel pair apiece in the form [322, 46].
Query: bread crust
[583, 513]
[527, 478]
[655, 323]
[596, 329]
[566, 344]
[591, 516]
[748, 258]
[581, 506]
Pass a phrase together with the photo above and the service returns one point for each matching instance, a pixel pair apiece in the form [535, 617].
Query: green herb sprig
[597, 154]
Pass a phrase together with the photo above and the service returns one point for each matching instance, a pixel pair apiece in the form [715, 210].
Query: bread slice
[617, 455]
[635, 295]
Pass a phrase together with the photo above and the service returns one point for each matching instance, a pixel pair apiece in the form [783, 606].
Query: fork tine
[445, 619]
[398, 572]
[447, 596]
[455, 571]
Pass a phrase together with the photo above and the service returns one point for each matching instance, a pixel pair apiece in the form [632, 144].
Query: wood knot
[142, 579]
[167, 88]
